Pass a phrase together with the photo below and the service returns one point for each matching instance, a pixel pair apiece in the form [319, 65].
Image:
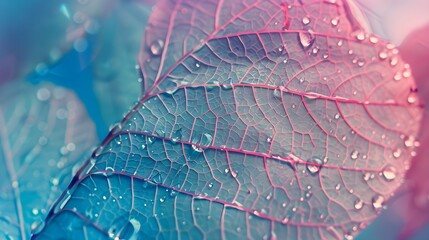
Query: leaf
[114, 69]
[248, 130]
[45, 133]
[415, 50]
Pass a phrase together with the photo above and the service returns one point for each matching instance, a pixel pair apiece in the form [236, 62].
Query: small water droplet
[412, 97]
[197, 65]
[306, 39]
[338, 187]
[335, 21]
[306, 20]
[377, 202]
[358, 204]
[360, 35]
[354, 155]
[314, 165]
[397, 153]
[156, 47]
[373, 39]
[162, 199]
[210, 185]
[337, 116]
[409, 141]
[389, 173]
[382, 55]
[268, 197]
[277, 93]
[394, 61]
[226, 170]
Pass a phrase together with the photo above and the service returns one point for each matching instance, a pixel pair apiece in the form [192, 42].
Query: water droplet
[360, 35]
[210, 185]
[389, 173]
[314, 165]
[354, 155]
[412, 97]
[156, 47]
[306, 20]
[268, 197]
[337, 116]
[277, 93]
[306, 39]
[366, 176]
[373, 39]
[43, 94]
[409, 141]
[162, 199]
[338, 187]
[397, 153]
[197, 65]
[394, 61]
[397, 76]
[377, 202]
[335, 21]
[358, 204]
[382, 55]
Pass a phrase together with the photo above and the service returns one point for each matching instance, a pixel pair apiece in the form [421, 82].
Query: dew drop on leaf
[314, 165]
[377, 202]
[306, 39]
[156, 47]
[354, 155]
[397, 153]
[358, 204]
[306, 20]
[389, 173]
[335, 21]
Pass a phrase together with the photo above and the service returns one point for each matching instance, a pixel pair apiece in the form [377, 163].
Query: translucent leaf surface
[44, 134]
[261, 119]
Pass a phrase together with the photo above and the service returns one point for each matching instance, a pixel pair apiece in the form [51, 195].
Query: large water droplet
[389, 173]
[156, 47]
[306, 39]
[314, 165]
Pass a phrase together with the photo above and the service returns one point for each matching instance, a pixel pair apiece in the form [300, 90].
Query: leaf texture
[44, 133]
[260, 119]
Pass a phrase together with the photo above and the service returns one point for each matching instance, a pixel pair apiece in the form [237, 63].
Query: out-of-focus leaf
[45, 135]
[260, 119]
[415, 50]
[115, 59]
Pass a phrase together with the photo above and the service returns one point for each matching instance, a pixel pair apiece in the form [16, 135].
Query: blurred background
[90, 48]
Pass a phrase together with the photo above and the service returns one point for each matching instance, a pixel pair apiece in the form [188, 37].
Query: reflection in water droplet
[306, 39]
[314, 165]
[377, 202]
[358, 204]
[337, 116]
[389, 173]
[156, 47]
